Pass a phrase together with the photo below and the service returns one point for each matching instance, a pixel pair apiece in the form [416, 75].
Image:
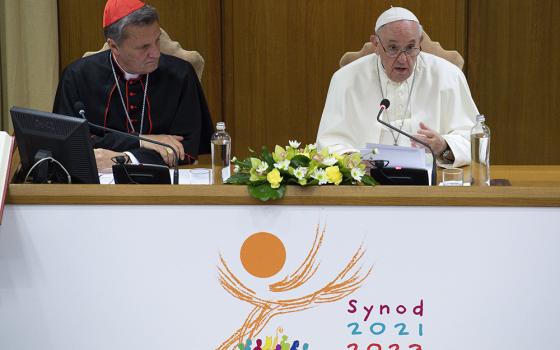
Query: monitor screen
[65, 139]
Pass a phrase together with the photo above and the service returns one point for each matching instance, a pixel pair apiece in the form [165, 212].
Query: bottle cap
[220, 126]
[480, 118]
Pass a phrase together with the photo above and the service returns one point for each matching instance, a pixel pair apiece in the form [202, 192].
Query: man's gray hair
[145, 15]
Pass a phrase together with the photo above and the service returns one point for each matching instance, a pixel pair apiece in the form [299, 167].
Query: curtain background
[28, 55]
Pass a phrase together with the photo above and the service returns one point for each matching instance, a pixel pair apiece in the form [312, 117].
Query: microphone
[79, 107]
[383, 106]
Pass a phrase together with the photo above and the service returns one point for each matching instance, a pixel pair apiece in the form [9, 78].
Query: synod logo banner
[278, 277]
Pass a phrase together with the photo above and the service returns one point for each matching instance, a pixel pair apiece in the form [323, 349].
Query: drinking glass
[200, 176]
[452, 177]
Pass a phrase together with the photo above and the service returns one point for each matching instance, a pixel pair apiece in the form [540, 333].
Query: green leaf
[291, 180]
[267, 157]
[290, 153]
[244, 164]
[300, 161]
[345, 172]
[264, 192]
[312, 182]
[238, 179]
[368, 180]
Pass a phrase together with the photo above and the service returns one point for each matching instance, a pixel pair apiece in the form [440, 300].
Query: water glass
[200, 176]
[452, 177]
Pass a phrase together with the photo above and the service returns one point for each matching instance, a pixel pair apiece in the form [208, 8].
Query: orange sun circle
[263, 254]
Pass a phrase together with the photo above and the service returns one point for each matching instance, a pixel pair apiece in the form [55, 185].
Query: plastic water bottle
[480, 153]
[221, 154]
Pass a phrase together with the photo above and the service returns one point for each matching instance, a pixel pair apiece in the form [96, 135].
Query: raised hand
[432, 138]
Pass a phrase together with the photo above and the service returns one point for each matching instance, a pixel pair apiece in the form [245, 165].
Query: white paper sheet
[406, 157]
[106, 178]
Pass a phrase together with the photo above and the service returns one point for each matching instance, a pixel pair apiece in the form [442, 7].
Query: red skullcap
[117, 9]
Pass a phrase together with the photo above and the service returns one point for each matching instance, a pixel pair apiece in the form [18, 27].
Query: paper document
[106, 178]
[6, 153]
[406, 157]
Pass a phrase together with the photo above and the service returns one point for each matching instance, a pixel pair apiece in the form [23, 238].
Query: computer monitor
[63, 138]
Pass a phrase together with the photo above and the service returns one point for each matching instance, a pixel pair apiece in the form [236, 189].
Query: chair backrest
[173, 48]
[427, 45]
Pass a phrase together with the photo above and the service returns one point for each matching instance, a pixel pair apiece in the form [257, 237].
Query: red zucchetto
[117, 9]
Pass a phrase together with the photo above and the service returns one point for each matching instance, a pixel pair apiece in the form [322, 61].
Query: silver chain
[396, 139]
[122, 99]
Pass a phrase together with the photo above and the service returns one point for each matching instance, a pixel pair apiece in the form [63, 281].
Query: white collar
[127, 75]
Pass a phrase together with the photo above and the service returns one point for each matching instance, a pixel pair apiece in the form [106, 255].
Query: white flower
[357, 174]
[330, 161]
[261, 169]
[282, 165]
[294, 143]
[312, 146]
[300, 173]
[236, 169]
[320, 175]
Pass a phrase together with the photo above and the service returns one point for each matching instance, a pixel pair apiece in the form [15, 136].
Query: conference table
[333, 267]
[531, 186]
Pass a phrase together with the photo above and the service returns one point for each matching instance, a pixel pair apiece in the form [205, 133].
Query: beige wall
[29, 55]
[269, 62]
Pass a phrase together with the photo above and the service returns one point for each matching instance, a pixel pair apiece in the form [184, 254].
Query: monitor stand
[40, 173]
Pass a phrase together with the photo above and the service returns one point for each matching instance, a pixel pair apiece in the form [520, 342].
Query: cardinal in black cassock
[168, 100]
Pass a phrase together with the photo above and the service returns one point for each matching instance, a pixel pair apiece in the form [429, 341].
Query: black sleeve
[68, 93]
[147, 156]
[114, 142]
[192, 120]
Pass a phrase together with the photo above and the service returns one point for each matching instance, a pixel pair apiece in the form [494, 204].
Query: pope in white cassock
[430, 97]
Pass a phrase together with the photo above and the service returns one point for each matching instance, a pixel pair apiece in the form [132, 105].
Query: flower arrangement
[267, 174]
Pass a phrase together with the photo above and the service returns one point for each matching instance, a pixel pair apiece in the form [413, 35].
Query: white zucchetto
[395, 14]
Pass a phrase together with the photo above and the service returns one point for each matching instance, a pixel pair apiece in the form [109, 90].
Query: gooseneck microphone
[383, 106]
[79, 107]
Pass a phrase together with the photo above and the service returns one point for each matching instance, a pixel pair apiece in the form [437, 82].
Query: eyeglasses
[394, 51]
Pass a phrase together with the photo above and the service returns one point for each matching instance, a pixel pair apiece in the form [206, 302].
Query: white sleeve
[458, 120]
[133, 159]
[335, 131]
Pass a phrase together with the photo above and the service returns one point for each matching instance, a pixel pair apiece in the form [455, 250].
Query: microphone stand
[434, 173]
[136, 137]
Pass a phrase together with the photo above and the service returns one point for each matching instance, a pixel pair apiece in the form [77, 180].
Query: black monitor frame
[66, 139]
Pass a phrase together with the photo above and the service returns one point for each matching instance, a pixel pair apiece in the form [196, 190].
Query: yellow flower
[334, 175]
[274, 178]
